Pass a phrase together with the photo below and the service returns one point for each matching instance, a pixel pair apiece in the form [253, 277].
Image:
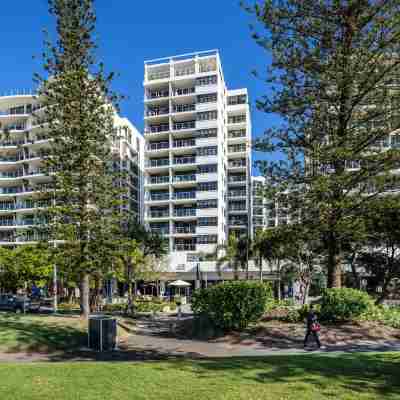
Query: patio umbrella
[179, 284]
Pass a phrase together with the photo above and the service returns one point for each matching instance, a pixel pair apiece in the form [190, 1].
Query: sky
[131, 31]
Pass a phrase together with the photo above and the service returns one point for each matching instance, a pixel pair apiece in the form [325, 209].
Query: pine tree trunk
[84, 295]
[334, 267]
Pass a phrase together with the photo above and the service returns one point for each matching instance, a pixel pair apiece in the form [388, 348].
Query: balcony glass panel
[184, 195]
[184, 125]
[184, 91]
[184, 107]
[184, 212]
[184, 160]
[184, 178]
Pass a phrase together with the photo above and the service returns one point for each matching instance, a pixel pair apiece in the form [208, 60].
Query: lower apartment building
[23, 144]
[197, 160]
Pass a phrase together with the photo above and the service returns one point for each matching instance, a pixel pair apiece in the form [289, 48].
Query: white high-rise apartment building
[24, 143]
[197, 157]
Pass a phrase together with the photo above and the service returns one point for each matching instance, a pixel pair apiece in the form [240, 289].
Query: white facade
[193, 161]
[23, 144]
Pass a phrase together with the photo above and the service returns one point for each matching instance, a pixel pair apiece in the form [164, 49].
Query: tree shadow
[41, 333]
[375, 374]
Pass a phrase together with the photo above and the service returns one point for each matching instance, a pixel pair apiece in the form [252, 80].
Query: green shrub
[114, 307]
[344, 304]
[154, 305]
[389, 316]
[68, 307]
[233, 305]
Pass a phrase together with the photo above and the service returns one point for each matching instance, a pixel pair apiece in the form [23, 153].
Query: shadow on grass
[39, 333]
[372, 373]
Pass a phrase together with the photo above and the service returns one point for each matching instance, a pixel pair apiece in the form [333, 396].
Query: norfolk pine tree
[85, 216]
[334, 82]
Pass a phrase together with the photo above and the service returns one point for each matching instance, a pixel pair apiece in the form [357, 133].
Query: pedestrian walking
[313, 327]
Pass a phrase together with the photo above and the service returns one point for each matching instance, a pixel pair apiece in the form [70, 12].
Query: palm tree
[236, 254]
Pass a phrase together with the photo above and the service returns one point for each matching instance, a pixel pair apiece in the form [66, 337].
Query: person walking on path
[313, 327]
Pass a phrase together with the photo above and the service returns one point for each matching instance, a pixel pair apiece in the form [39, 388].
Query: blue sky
[131, 31]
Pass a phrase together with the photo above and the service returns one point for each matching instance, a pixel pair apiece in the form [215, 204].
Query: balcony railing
[5, 143]
[184, 125]
[237, 208]
[157, 128]
[237, 133]
[184, 195]
[158, 146]
[236, 149]
[8, 175]
[237, 163]
[158, 94]
[185, 71]
[184, 160]
[184, 178]
[160, 231]
[160, 162]
[158, 179]
[8, 159]
[186, 212]
[158, 197]
[7, 222]
[159, 214]
[184, 108]
[158, 75]
[185, 229]
[11, 190]
[237, 222]
[184, 91]
[185, 143]
[237, 193]
[185, 247]
[158, 111]
[236, 119]
[237, 178]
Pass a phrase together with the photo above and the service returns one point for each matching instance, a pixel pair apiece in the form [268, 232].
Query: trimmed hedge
[344, 304]
[233, 305]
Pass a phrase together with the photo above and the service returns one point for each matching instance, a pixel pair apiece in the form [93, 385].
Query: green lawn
[347, 377]
[32, 332]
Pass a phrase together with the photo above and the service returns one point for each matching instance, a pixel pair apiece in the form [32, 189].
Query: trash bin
[102, 333]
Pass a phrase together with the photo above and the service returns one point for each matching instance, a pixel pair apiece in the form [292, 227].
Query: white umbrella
[179, 283]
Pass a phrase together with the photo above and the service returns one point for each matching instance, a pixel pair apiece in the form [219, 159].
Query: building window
[207, 169]
[212, 203]
[207, 115]
[207, 80]
[207, 151]
[207, 239]
[207, 186]
[207, 98]
[206, 133]
[207, 221]
[240, 99]
[236, 119]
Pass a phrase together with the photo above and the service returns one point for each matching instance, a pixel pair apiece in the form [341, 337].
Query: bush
[344, 304]
[233, 305]
[114, 307]
[389, 316]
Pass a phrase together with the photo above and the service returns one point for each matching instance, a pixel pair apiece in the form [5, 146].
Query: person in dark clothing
[312, 327]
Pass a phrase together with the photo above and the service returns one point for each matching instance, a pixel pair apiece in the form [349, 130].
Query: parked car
[17, 304]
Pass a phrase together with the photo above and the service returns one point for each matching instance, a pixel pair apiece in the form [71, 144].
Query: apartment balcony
[158, 215]
[157, 198]
[185, 247]
[187, 178]
[184, 212]
[156, 96]
[184, 108]
[11, 175]
[238, 179]
[11, 143]
[157, 180]
[238, 210]
[157, 147]
[157, 163]
[238, 150]
[237, 193]
[189, 91]
[207, 230]
[182, 197]
[157, 75]
[184, 143]
[160, 231]
[156, 112]
[237, 120]
[237, 165]
[9, 159]
[184, 125]
[184, 72]
[157, 130]
[184, 162]
[184, 230]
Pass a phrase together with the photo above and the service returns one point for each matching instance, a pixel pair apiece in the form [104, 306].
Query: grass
[299, 377]
[40, 333]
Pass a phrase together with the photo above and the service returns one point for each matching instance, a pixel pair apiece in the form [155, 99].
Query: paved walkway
[156, 335]
[154, 338]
